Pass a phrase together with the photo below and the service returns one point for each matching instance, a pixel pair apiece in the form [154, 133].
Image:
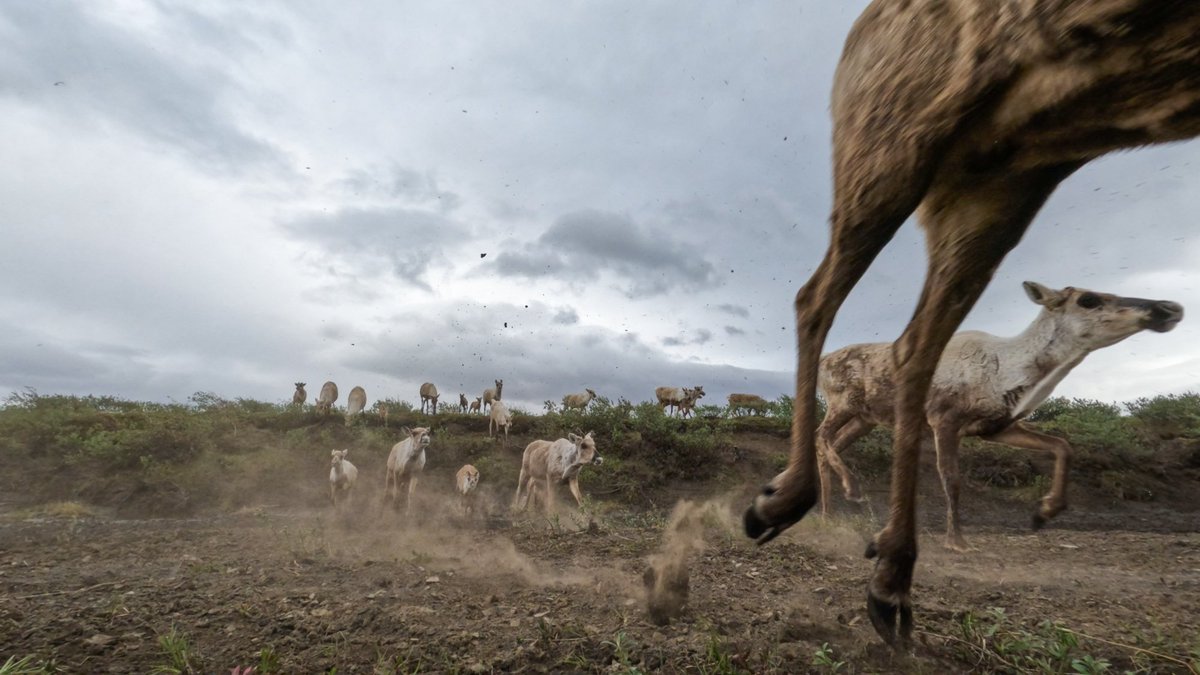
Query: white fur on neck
[1044, 342]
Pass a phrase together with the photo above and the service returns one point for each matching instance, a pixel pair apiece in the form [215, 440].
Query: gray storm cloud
[233, 197]
[582, 246]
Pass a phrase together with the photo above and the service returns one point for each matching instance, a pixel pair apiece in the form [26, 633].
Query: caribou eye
[1089, 301]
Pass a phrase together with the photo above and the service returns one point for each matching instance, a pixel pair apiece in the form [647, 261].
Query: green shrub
[782, 407]
[1169, 416]
[871, 455]
[1093, 427]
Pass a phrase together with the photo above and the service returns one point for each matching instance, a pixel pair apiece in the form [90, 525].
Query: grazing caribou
[429, 396]
[356, 402]
[969, 113]
[578, 401]
[750, 403]
[984, 386]
[326, 398]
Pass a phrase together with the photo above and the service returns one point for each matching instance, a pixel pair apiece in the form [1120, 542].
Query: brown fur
[328, 396]
[429, 396]
[465, 482]
[674, 396]
[299, 396]
[356, 402]
[382, 409]
[970, 113]
[688, 405]
[492, 394]
[476, 404]
[746, 402]
[578, 401]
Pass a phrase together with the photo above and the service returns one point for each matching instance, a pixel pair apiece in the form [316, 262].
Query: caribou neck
[1039, 358]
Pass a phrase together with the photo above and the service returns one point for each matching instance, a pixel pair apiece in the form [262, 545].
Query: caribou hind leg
[853, 430]
[1021, 436]
[946, 442]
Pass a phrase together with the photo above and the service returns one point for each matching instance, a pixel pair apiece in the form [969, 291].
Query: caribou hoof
[892, 621]
[774, 511]
[887, 596]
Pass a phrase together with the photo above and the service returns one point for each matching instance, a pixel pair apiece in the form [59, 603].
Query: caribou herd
[984, 386]
[968, 115]
[544, 464]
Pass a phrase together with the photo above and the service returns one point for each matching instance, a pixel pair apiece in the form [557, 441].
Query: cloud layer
[615, 195]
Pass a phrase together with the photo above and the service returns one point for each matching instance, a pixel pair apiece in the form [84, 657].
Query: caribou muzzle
[1163, 315]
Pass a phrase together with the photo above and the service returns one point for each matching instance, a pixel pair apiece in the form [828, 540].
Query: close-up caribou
[984, 386]
[968, 113]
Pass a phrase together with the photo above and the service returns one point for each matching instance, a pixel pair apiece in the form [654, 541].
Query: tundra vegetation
[79, 456]
[174, 449]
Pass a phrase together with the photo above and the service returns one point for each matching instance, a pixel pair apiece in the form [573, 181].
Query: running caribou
[405, 463]
[969, 113]
[984, 386]
[547, 464]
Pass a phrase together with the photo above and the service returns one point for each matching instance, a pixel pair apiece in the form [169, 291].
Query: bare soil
[366, 590]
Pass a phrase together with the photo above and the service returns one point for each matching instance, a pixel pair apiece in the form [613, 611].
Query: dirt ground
[365, 590]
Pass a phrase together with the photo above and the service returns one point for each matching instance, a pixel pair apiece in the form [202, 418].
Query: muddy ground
[365, 590]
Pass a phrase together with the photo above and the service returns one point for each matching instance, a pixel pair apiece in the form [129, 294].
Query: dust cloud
[666, 576]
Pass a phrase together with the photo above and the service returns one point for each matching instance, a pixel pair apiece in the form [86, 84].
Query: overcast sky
[231, 197]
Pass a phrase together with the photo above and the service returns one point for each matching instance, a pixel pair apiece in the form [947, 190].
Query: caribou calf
[465, 482]
[983, 386]
[342, 475]
[552, 463]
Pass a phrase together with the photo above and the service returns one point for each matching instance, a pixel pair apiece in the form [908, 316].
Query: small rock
[432, 580]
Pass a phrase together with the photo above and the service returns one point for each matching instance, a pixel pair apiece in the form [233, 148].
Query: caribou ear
[332, 452]
[405, 431]
[589, 433]
[1046, 297]
[572, 437]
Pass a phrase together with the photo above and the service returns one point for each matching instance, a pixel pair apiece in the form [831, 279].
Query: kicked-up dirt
[366, 590]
